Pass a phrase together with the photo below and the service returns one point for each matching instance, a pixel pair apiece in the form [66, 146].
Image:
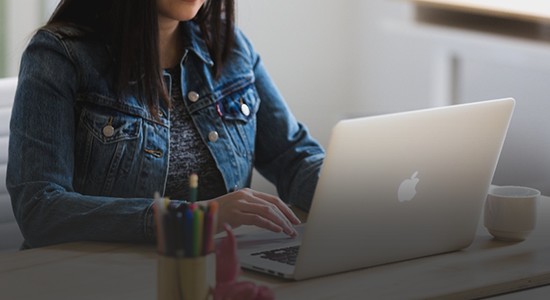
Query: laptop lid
[400, 186]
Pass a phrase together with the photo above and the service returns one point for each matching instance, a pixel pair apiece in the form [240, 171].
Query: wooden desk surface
[124, 271]
[526, 10]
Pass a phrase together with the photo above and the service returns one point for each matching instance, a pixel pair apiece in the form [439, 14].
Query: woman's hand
[250, 207]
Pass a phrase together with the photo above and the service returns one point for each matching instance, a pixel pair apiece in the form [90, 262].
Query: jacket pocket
[106, 149]
[238, 111]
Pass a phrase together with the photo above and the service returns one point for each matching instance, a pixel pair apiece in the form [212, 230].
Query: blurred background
[350, 58]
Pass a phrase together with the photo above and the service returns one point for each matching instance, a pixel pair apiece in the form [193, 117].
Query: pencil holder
[186, 278]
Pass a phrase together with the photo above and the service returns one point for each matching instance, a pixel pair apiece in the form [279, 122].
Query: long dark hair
[130, 28]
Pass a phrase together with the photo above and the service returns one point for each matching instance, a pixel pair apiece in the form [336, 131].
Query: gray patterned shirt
[188, 152]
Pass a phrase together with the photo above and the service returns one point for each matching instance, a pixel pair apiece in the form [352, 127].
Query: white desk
[124, 271]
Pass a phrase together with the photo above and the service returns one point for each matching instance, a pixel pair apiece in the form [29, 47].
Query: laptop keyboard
[283, 255]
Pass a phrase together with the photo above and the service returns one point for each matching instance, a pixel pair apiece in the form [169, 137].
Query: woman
[120, 99]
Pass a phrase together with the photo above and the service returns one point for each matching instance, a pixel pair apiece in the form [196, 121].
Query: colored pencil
[193, 187]
[198, 223]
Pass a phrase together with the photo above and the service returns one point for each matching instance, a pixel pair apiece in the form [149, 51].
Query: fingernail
[292, 232]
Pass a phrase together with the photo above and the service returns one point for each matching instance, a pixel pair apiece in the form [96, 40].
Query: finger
[288, 218]
[238, 202]
[261, 203]
[258, 220]
[289, 214]
[279, 206]
[270, 212]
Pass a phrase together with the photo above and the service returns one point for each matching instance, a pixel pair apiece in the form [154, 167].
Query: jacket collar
[194, 42]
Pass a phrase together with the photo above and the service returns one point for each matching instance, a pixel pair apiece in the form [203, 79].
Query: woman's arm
[42, 159]
[286, 154]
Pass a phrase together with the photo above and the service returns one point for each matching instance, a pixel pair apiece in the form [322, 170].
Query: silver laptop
[392, 188]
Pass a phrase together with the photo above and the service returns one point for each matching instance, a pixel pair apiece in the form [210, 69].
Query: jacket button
[213, 136]
[245, 110]
[193, 96]
[108, 131]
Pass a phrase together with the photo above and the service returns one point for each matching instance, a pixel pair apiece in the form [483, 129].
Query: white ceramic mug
[510, 212]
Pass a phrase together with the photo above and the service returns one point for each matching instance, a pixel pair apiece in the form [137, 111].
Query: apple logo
[407, 188]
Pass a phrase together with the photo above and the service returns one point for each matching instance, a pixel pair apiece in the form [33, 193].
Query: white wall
[23, 17]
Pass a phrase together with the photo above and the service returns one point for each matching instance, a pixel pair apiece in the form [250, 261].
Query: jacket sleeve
[286, 154]
[41, 159]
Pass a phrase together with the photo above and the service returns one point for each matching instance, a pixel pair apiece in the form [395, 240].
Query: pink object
[228, 270]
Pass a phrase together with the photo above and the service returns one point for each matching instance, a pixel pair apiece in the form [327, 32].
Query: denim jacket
[84, 165]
